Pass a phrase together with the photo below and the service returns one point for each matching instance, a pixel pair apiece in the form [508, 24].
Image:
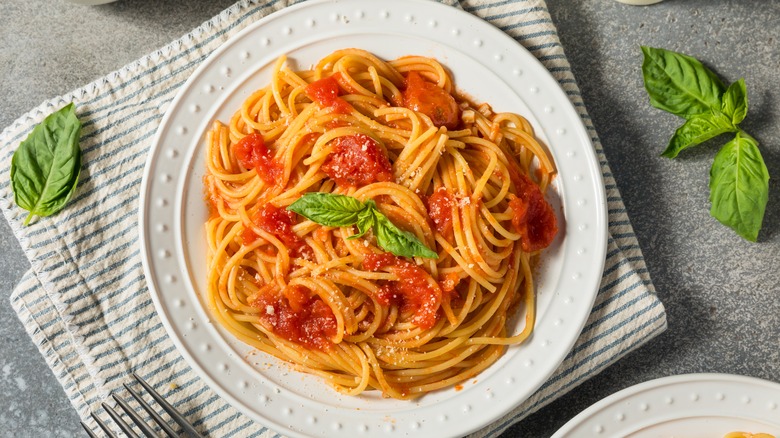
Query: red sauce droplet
[325, 92]
[298, 316]
[431, 100]
[440, 210]
[414, 291]
[533, 216]
[279, 222]
[252, 153]
[357, 160]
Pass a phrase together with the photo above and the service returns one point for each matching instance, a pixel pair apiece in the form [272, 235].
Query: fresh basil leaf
[328, 209]
[698, 129]
[342, 211]
[365, 219]
[399, 242]
[45, 167]
[735, 101]
[680, 84]
[739, 186]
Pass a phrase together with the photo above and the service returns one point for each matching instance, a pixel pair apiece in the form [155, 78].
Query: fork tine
[118, 420]
[148, 431]
[155, 416]
[103, 426]
[88, 430]
[188, 429]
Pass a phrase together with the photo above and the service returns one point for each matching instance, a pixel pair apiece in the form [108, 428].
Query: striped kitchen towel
[85, 302]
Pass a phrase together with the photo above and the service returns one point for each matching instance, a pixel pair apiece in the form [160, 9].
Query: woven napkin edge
[51, 354]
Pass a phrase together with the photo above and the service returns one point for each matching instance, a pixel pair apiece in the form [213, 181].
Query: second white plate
[689, 406]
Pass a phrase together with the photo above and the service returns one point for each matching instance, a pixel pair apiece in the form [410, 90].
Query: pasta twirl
[467, 182]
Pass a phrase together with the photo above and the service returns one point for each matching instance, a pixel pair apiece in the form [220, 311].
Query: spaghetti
[466, 182]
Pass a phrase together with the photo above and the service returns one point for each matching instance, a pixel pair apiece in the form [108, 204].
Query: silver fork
[188, 429]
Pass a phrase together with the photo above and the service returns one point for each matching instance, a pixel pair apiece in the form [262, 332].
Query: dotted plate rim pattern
[171, 210]
[688, 405]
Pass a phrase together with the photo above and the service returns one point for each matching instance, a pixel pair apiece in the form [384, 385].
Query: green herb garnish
[344, 211]
[739, 186]
[45, 168]
[739, 180]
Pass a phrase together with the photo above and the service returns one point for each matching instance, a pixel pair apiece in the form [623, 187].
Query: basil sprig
[45, 167]
[739, 180]
[343, 211]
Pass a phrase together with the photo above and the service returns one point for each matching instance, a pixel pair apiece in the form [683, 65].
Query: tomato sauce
[325, 92]
[357, 160]
[412, 292]
[431, 100]
[533, 216]
[440, 210]
[279, 222]
[299, 316]
[252, 153]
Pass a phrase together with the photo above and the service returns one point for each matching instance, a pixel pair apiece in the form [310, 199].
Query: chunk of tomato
[414, 291]
[533, 217]
[357, 160]
[440, 205]
[325, 92]
[252, 153]
[279, 222]
[431, 100]
[299, 316]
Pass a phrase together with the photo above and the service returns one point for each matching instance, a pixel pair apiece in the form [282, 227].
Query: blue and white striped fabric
[85, 302]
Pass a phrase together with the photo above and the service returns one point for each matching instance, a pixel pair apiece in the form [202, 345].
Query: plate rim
[144, 201]
[625, 395]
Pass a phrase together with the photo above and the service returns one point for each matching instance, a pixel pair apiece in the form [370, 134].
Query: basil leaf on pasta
[342, 211]
[698, 129]
[739, 186]
[735, 101]
[365, 219]
[328, 209]
[399, 242]
[45, 167]
[680, 84]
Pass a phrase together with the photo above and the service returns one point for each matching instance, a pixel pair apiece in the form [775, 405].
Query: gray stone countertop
[721, 293]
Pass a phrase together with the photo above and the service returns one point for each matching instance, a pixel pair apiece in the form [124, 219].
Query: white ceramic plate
[486, 64]
[689, 406]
